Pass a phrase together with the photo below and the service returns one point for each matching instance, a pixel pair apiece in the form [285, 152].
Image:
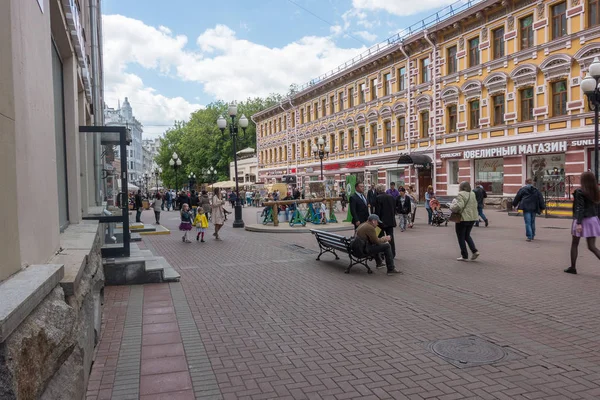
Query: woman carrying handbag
[464, 213]
[217, 214]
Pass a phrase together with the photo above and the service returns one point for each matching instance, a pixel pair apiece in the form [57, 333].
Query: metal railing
[558, 191]
[428, 22]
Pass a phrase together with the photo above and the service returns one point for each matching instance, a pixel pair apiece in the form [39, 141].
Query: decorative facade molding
[450, 95]
[524, 75]
[496, 82]
[423, 102]
[586, 55]
[557, 66]
[471, 88]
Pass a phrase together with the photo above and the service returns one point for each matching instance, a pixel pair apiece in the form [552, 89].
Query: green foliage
[200, 144]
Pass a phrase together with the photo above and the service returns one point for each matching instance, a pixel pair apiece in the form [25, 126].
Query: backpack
[358, 247]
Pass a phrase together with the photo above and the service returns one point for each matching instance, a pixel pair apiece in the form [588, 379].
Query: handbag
[456, 216]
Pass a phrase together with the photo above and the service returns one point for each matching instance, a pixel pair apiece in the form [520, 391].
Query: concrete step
[160, 266]
[158, 230]
[135, 237]
[142, 229]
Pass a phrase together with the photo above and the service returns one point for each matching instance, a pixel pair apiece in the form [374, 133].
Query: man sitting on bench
[375, 246]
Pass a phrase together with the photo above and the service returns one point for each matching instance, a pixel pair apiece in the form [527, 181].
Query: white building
[247, 167]
[123, 116]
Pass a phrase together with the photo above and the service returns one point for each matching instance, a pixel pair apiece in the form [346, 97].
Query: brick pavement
[271, 322]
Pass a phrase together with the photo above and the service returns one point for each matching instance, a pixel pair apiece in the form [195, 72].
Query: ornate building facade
[489, 94]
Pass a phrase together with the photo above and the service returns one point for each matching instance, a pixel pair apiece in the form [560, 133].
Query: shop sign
[457, 154]
[425, 166]
[382, 162]
[536, 148]
[588, 142]
[330, 167]
[308, 170]
[355, 164]
[292, 170]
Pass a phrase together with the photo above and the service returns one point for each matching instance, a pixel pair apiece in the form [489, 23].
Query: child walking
[201, 223]
[186, 222]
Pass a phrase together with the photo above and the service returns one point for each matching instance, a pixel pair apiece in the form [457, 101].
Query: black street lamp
[321, 151]
[146, 179]
[233, 131]
[175, 162]
[156, 172]
[191, 180]
[590, 86]
[210, 173]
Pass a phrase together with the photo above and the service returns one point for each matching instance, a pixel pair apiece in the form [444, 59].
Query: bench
[331, 242]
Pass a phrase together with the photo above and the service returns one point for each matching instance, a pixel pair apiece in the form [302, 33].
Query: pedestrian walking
[480, 194]
[358, 206]
[403, 208]
[586, 218]
[375, 245]
[386, 210]
[372, 199]
[392, 191]
[413, 205]
[465, 206]
[429, 195]
[186, 222]
[139, 206]
[530, 200]
[194, 201]
[205, 203]
[218, 216]
[157, 205]
[344, 199]
[201, 223]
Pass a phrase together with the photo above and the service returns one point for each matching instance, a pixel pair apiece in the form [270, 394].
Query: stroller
[439, 217]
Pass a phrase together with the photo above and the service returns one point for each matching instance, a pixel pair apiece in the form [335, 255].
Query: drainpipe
[97, 107]
[434, 80]
[408, 96]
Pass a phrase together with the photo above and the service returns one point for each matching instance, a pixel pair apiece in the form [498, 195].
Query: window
[387, 86]
[323, 107]
[474, 114]
[498, 42]
[559, 20]
[401, 128]
[593, 13]
[401, 78]
[293, 151]
[350, 97]
[474, 52]
[316, 111]
[374, 89]
[332, 142]
[559, 98]
[498, 109]
[331, 105]
[373, 135]
[308, 115]
[526, 27]
[425, 77]
[351, 138]
[362, 94]
[526, 97]
[341, 139]
[451, 60]
[341, 101]
[425, 124]
[302, 149]
[301, 116]
[270, 127]
[452, 118]
[361, 137]
[387, 137]
[453, 169]
[490, 172]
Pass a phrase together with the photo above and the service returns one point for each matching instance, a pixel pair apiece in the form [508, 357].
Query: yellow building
[488, 93]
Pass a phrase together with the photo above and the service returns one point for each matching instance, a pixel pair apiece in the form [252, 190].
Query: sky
[171, 58]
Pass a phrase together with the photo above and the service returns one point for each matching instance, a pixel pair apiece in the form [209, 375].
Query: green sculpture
[350, 183]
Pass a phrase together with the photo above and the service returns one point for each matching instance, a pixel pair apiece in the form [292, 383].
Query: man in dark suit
[358, 206]
[386, 209]
[372, 199]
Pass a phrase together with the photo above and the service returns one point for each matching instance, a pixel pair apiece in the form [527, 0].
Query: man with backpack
[480, 195]
[530, 200]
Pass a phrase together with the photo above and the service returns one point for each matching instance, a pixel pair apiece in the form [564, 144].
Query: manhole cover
[297, 249]
[468, 351]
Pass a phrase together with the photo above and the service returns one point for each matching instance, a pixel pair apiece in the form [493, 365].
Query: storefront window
[395, 175]
[490, 173]
[453, 172]
[548, 173]
[373, 178]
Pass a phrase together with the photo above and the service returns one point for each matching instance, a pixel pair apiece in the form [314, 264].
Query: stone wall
[49, 355]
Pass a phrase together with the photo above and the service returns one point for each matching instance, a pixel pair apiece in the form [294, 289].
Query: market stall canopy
[131, 186]
[247, 150]
[417, 160]
[224, 184]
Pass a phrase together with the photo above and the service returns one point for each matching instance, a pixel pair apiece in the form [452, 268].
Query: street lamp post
[321, 151]
[233, 131]
[175, 162]
[211, 173]
[590, 86]
[192, 180]
[157, 171]
[146, 179]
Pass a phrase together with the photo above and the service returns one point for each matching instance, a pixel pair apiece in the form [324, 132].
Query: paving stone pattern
[275, 323]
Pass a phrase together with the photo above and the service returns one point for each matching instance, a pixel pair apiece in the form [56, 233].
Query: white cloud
[369, 37]
[336, 30]
[400, 7]
[230, 68]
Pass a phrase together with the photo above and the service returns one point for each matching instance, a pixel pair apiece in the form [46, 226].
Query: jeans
[463, 234]
[404, 218]
[386, 249]
[429, 215]
[169, 205]
[157, 217]
[481, 214]
[390, 232]
[138, 215]
[529, 217]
